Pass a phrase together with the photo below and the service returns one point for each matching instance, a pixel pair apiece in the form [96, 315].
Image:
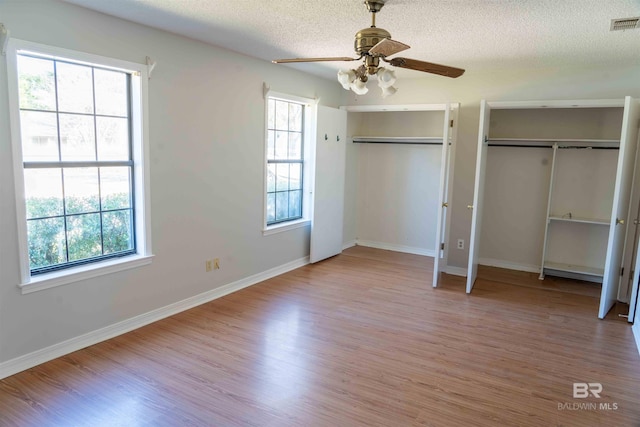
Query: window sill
[279, 228]
[71, 275]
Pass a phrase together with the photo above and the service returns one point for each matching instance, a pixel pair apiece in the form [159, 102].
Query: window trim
[309, 127]
[140, 156]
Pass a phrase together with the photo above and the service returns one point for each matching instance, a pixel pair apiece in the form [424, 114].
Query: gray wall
[206, 113]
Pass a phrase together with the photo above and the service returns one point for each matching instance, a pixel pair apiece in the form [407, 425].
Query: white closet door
[633, 301]
[621, 196]
[442, 195]
[478, 194]
[328, 190]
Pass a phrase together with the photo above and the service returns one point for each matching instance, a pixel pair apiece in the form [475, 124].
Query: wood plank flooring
[361, 339]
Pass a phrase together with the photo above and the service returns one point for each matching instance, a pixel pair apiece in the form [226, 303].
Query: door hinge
[451, 123]
[622, 271]
[442, 246]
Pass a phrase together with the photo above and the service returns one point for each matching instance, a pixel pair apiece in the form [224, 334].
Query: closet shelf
[570, 268]
[580, 220]
[425, 140]
[544, 142]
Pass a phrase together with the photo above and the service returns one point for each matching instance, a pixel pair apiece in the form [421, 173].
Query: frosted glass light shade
[346, 78]
[388, 91]
[386, 77]
[359, 87]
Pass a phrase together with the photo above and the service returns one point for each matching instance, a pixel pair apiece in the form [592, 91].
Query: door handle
[469, 206]
[619, 221]
[445, 205]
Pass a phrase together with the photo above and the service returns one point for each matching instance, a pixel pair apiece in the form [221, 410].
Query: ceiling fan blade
[338, 58]
[388, 47]
[427, 67]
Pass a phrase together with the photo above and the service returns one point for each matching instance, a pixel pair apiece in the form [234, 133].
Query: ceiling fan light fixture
[346, 78]
[388, 91]
[359, 87]
[386, 77]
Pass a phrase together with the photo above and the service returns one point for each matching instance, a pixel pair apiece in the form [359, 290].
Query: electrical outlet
[216, 263]
[208, 266]
[460, 243]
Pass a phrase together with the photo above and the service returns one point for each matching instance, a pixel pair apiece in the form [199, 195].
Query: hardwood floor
[361, 339]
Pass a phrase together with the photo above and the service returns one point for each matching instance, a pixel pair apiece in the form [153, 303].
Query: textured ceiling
[471, 34]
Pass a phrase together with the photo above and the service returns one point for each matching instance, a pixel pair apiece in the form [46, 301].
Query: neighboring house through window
[77, 128]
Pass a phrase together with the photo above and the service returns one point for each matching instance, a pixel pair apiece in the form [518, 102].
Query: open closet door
[478, 194]
[621, 196]
[328, 189]
[633, 301]
[442, 198]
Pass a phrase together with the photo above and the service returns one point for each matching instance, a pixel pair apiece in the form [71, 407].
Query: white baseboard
[509, 265]
[456, 271]
[396, 248]
[636, 333]
[37, 357]
[349, 244]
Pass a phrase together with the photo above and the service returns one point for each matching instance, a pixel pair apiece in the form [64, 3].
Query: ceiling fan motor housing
[374, 6]
[368, 38]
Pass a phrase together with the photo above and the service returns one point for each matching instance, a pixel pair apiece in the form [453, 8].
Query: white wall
[206, 114]
[496, 85]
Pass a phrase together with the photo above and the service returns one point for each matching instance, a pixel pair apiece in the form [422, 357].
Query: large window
[285, 160]
[78, 147]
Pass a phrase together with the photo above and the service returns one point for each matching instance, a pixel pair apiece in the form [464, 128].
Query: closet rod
[551, 146]
[397, 142]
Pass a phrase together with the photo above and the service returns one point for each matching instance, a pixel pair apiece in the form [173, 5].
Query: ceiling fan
[375, 44]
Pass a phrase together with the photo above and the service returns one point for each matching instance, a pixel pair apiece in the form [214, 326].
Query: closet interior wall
[517, 186]
[397, 184]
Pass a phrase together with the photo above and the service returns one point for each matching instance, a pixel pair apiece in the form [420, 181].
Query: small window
[78, 141]
[285, 160]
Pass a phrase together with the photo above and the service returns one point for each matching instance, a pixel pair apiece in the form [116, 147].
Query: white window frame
[310, 121]
[140, 153]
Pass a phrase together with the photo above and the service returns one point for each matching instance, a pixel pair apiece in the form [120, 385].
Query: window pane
[111, 93]
[271, 114]
[115, 188]
[282, 115]
[43, 192]
[281, 145]
[39, 133]
[271, 208]
[46, 242]
[295, 146]
[77, 137]
[75, 88]
[271, 178]
[83, 236]
[113, 138]
[81, 190]
[295, 204]
[271, 145]
[282, 177]
[116, 229]
[36, 83]
[282, 205]
[295, 117]
[295, 176]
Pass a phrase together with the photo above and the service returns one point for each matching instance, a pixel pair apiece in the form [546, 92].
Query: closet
[552, 189]
[403, 157]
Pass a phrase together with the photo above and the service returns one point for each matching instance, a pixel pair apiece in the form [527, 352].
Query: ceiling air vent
[625, 24]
